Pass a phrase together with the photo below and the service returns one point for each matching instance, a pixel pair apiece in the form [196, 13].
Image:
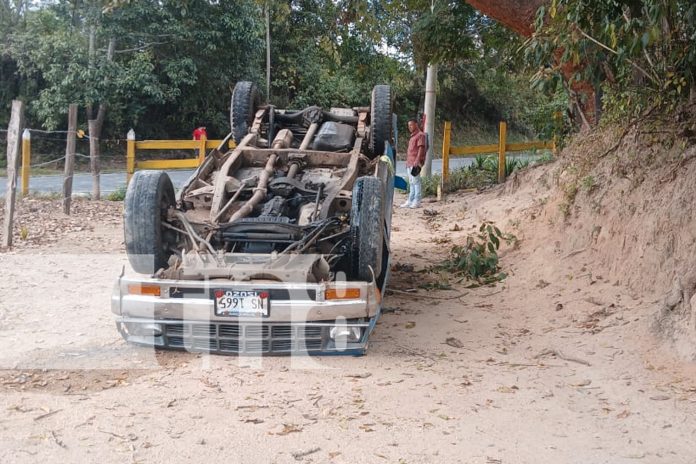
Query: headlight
[345, 333]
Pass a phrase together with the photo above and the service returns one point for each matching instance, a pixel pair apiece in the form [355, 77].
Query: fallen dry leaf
[506, 389]
[289, 428]
[454, 342]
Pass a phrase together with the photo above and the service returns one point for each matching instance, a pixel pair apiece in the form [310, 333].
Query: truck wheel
[381, 119]
[245, 100]
[150, 194]
[366, 228]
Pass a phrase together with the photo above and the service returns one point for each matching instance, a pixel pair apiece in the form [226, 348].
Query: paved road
[82, 182]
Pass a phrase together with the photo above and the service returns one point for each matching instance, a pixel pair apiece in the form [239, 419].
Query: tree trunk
[69, 158]
[519, 16]
[267, 13]
[94, 127]
[14, 140]
[516, 15]
[94, 134]
[90, 55]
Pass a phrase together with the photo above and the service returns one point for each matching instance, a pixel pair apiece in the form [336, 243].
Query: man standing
[415, 158]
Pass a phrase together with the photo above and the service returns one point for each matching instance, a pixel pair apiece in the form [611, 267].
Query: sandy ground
[555, 365]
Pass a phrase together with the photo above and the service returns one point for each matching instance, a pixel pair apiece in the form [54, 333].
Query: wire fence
[46, 140]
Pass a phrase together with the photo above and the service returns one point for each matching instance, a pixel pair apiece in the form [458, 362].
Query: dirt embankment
[623, 200]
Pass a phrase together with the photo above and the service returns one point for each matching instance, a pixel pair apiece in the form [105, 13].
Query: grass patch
[458, 179]
[117, 195]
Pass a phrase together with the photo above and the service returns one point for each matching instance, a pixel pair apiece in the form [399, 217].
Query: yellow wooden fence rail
[26, 161]
[133, 146]
[502, 147]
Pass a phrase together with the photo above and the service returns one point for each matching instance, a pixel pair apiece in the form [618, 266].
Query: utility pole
[430, 88]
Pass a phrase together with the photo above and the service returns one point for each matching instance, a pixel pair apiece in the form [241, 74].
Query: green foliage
[458, 179]
[117, 195]
[589, 183]
[175, 62]
[490, 163]
[165, 67]
[640, 53]
[478, 258]
[445, 34]
[479, 162]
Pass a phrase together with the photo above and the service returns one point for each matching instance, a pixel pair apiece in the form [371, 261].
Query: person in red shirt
[415, 158]
[199, 133]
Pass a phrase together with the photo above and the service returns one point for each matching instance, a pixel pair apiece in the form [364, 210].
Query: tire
[366, 228]
[245, 100]
[150, 194]
[380, 120]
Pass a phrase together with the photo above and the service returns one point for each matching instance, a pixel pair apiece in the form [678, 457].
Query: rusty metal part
[233, 159]
[317, 201]
[346, 182]
[362, 125]
[258, 119]
[192, 233]
[309, 136]
[292, 170]
[232, 200]
[282, 140]
[296, 161]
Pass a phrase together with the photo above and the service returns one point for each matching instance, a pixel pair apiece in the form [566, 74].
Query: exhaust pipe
[282, 140]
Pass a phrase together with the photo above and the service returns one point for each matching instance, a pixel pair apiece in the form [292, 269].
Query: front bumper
[300, 321]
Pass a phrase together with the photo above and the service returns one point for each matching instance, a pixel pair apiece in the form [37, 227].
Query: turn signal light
[342, 294]
[145, 289]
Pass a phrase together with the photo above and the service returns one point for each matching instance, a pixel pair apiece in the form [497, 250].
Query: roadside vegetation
[477, 259]
[482, 173]
[164, 68]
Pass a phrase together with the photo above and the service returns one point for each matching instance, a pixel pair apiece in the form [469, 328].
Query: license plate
[241, 303]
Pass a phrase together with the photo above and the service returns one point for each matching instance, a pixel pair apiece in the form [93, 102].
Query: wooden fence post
[201, 149]
[69, 158]
[502, 141]
[26, 161]
[13, 147]
[446, 142]
[130, 156]
[94, 133]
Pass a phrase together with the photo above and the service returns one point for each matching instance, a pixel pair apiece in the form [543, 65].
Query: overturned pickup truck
[280, 245]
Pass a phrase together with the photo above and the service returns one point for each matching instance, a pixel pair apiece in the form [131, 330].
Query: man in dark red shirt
[415, 158]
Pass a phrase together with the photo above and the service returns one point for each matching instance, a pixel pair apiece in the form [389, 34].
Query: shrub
[478, 259]
[458, 179]
[117, 195]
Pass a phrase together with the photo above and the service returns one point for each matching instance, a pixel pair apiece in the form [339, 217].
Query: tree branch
[609, 49]
[141, 48]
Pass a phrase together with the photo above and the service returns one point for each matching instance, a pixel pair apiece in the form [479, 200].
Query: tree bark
[14, 131]
[519, 16]
[267, 13]
[516, 15]
[94, 154]
[94, 127]
[69, 158]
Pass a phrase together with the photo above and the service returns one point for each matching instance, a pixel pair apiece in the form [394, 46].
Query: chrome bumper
[299, 322]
